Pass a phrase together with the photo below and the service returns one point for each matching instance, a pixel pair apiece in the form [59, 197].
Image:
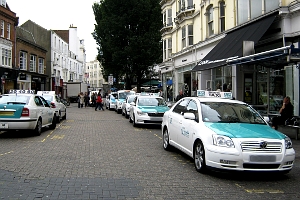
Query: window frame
[23, 60]
[32, 63]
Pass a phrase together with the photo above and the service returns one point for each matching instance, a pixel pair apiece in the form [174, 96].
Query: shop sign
[22, 76]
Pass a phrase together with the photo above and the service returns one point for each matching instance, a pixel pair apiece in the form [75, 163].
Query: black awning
[232, 44]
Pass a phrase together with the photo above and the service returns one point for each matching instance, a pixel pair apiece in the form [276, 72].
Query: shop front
[8, 79]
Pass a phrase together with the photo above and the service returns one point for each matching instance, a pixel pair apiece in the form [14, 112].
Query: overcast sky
[58, 15]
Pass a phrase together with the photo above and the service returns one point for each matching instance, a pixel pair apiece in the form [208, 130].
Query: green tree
[128, 36]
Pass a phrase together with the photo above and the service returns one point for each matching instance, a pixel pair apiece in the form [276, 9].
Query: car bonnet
[244, 130]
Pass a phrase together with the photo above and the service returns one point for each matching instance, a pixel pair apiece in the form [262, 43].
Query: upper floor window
[41, 66]
[23, 60]
[183, 31]
[2, 28]
[190, 4]
[8, 31]
[32, 66]
[3, 3]
[169, 19]
[210, 20]
[248, 9]
[6, 57]
[222, 16]
[190, 35]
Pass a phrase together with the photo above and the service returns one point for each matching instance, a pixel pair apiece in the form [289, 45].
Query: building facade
[8, 64]
[32, 62]
[94, 76]
[250, 49]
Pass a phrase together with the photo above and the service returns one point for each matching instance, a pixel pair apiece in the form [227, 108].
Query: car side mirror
[132, 104]
[189, 115]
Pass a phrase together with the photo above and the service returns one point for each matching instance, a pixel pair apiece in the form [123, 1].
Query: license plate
[263, 158]
[4, 125]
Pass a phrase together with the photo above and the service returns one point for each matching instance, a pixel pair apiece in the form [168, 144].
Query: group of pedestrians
[96, 100]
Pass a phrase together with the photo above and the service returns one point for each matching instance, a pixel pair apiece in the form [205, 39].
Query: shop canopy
[151, 83]
[231, 46]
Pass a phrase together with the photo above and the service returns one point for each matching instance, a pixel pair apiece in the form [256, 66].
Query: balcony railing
[183, 10]
[166, 26]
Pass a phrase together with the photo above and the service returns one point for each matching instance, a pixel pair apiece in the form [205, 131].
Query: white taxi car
[59, 107]
[147, 109]
[110, 101]
[121, 96]
[126, 105]
[24, 110]
[225, 134]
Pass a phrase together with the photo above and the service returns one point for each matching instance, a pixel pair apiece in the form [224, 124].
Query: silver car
[56, 103]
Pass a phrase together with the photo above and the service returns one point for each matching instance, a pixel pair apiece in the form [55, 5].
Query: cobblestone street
[100, 155]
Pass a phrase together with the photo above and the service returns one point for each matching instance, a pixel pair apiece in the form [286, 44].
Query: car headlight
[141, 113]
[222, 141]
[288, 143]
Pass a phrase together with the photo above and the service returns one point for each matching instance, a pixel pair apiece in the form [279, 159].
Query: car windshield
[14, 99]
[224, 112]
[48, 97]
[151, 102]
[123, 95]
[130, 99]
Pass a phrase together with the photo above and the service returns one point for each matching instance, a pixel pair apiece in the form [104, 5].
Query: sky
[59, 15]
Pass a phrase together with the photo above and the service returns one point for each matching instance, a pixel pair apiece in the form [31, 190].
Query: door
[187, 128]
[175, 119]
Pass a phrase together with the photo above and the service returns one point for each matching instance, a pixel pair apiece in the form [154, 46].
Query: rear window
[14, 99]
[48, 97]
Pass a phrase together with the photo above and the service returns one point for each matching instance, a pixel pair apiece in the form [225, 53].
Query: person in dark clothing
[180, 96]
[86, 99]
[286, 112]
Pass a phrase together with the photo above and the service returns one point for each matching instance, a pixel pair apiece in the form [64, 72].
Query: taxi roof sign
[21, 91]
[214, 94]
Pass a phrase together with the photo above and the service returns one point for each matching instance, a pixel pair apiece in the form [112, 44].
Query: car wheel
[65, 116]
[38, 128]
[130, 120]
[58, 118]
[119, 111]
[166, 144]
[53, 125]
[199, 157]
[123, 114]
[133, 122]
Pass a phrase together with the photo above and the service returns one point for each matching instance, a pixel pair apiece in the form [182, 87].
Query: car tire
[119, 111]
[38, 128]
[53, 125]
[130, 120]
[199, 157]
[58, 118]
[166, 139]
[123, 114]
[65, 116]
[133, 122]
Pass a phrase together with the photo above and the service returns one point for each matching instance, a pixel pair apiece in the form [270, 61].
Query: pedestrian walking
[81, 99]
[93, 98]
[99, 102]
[86, 99]
[78, 100]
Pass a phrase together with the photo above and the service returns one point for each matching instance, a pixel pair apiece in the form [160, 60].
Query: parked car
[57, 104]
[121, 96]
[126, 105]
[225, 134]
[24, 110]
[147, 109]
[110, 101]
